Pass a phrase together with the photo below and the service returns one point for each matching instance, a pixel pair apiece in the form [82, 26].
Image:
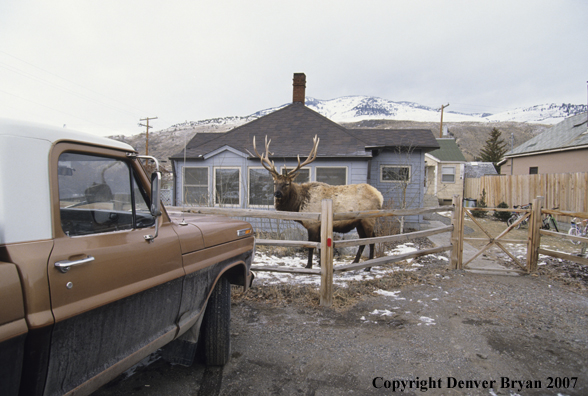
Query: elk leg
[314, 236]
[366, 230]
[310, 254]
[372, 251]
[359, 253]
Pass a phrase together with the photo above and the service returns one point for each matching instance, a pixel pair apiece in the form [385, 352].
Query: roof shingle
[292, 129]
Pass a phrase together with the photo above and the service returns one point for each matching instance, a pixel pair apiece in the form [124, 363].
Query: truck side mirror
[155, 194]
[155, 208]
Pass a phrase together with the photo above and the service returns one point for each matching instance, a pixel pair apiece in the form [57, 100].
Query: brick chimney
[299, 87]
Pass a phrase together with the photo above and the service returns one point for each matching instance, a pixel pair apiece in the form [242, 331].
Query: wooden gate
[533, 241]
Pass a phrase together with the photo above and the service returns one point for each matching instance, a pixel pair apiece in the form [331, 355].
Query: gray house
[218, 169]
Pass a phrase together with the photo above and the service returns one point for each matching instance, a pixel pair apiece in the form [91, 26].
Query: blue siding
[394, 191]
[357, 172]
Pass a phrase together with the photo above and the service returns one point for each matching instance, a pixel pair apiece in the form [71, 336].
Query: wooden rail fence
[327, 244]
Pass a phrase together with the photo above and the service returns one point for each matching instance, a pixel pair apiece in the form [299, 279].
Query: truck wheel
[216, 336]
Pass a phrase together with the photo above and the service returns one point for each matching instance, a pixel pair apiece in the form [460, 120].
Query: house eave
[538, 152]
[432, 157]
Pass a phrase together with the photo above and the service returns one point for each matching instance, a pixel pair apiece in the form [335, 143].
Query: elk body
[306, 197]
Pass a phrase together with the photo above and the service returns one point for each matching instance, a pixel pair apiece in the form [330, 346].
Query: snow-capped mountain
[360, 108]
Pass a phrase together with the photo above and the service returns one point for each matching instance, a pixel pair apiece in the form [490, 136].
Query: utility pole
[146, 125]
[441, 128]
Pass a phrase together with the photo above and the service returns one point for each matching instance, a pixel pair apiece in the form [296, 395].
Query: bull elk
[307, 197]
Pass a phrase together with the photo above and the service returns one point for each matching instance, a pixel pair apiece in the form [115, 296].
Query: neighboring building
[475, 170]
[220, 169]
[445, 171]
[563, 148]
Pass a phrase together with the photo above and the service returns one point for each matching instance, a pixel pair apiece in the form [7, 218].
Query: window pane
[395, 173]
[196, 186]
[303, 176]
[261, 187]
[332, 176]
[143, 214]
[94, 194]
[448, 174]
[197, 196]
[196, 176]
[226, 187]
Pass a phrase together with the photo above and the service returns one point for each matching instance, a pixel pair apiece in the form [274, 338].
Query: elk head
[283, 182]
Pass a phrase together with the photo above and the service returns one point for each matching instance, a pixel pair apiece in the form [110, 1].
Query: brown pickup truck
[94, 273]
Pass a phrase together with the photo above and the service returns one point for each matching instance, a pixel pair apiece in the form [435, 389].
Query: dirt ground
[424, 331]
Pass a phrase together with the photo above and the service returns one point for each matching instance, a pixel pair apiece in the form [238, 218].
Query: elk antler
[265, 157]
[311, 157]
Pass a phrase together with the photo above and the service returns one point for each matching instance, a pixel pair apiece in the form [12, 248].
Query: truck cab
[95, 274]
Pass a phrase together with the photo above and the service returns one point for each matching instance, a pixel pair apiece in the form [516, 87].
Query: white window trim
[395, 166]
[214, 169]
[184, 185]
[303, 168]
[249, 205]
[316, 168]
[454, 167]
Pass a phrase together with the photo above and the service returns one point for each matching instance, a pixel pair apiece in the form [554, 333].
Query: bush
[502, 216]
[481, 204]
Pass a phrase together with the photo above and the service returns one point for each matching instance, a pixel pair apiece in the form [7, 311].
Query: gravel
[449, 332]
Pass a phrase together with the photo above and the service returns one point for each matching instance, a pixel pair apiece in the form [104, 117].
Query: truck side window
[99, 194]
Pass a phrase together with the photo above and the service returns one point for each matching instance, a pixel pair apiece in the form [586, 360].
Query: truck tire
[215, 332]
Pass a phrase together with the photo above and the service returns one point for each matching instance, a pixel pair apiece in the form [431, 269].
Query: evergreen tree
[494, 149]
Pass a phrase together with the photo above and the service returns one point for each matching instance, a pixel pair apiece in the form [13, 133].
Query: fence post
[534, 240]
[326, 299]
[457, 234]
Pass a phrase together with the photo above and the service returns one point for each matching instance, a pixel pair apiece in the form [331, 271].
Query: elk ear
[293, 176]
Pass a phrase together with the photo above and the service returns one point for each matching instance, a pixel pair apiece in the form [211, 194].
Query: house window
[335, 176]
[261, 187]
[534, 170]
[195, 186]
[393, 173]
[448, 174]
[303, 175]
[226, 186]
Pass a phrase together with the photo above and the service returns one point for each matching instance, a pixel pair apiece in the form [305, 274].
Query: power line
[31, 76]
[53, 109]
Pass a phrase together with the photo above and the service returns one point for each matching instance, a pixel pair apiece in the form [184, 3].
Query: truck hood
[203, 231]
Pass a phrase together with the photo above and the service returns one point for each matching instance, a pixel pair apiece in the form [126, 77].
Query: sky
[102, 66]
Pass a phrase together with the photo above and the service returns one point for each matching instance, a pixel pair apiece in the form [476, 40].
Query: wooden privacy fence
[327, 244]
[566, 191]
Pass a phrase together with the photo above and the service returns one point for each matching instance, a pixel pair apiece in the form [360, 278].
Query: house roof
[292, 129]
[448, 151]
[571, 133]
[405, 138]
[479, 169]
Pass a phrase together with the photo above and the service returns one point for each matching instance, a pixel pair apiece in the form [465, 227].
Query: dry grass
[309, 296]
[344, 297]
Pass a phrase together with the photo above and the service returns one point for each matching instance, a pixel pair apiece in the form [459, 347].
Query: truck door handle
[64, 265]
